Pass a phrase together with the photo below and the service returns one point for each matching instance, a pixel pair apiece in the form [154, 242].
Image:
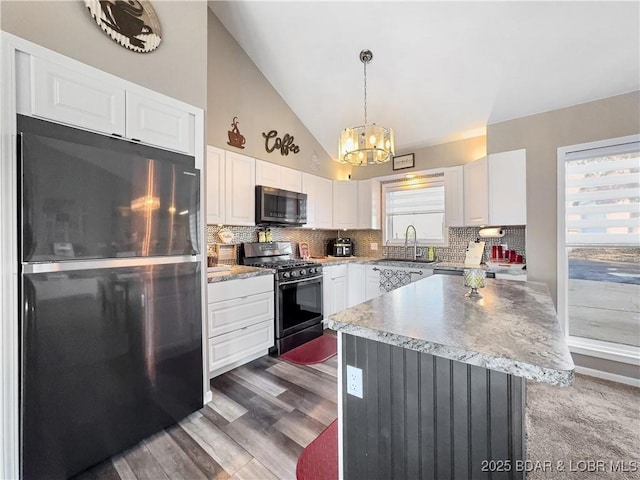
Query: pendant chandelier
[366, 144]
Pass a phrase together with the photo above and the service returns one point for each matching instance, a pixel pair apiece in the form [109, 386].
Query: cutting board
[474, 253]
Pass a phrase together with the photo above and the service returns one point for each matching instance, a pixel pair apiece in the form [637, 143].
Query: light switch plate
[354, 381]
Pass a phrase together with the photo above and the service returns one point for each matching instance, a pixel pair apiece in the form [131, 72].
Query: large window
[599, 255]
[418, 202]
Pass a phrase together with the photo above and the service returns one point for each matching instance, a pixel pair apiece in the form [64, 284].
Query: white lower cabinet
[240, 322]
[231, 349]
[356, 291]
[372, 282]
[334, 289]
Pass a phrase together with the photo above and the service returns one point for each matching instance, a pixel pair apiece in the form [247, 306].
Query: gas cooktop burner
[283, 264]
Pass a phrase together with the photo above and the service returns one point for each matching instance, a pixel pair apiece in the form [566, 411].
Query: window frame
[628, 354]
[405, 183]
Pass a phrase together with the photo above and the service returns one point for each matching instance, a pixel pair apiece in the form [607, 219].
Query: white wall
[236, 88]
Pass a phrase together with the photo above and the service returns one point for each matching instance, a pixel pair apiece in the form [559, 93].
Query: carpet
[593, 420]
[316, 351]
[319, 460]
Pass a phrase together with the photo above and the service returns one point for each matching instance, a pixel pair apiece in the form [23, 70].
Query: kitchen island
[444, 378]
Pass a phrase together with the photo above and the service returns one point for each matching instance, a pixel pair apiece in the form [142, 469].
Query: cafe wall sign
[284, 144]
[130, 23]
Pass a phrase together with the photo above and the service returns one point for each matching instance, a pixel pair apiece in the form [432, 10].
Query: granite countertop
[328, 261]
[237, 272]
[512, 329]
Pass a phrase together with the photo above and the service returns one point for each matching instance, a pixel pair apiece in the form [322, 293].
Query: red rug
[319, 461]
[316, 351]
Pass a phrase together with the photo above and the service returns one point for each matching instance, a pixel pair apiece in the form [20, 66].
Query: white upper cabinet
[508, 188]
[267, 174]
[319, 192]
[495, 190]
[369, 204]
[71, 96]
[345, 204]
[454, 196]
[476, 193]
[156, 122]
[277, 176]
[290, 179]
[215, 186]
[72, 93]
[240, 176]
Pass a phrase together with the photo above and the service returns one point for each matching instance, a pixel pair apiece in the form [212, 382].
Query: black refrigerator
[111, 321]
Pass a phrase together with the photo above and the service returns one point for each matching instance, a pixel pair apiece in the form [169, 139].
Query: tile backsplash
[459, 238]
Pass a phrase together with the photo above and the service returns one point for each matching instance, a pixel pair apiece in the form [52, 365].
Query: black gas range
[298, 292]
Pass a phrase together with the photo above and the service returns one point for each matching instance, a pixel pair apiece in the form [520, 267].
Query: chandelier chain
[365, 92]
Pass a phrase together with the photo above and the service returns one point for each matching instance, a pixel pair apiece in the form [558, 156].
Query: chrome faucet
[415, 242]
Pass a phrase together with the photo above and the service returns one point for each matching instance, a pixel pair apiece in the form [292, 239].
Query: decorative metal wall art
[285, 144]
[236, 139]
[131, 23]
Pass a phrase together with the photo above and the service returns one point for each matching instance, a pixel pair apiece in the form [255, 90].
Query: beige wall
[542, 135]
[443, 155]
[177, 68]
[236, 88]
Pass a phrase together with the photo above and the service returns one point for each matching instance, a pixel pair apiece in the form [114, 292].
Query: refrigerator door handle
[75, 265]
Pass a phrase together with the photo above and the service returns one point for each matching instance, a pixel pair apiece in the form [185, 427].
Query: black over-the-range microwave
[280, 207]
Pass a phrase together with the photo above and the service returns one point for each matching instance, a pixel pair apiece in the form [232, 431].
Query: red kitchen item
[512, 256]
[506, 255]
[494, 251]
[519, 258]
[499, 251]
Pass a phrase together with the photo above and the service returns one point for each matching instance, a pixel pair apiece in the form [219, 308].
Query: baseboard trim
[614, 377]
[208, 397]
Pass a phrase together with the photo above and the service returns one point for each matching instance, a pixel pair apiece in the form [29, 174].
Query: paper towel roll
[491, 232]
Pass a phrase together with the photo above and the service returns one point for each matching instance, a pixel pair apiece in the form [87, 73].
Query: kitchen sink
[417, 260]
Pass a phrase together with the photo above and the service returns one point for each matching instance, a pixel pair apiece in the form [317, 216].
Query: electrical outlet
[354, 381]
[374, 246]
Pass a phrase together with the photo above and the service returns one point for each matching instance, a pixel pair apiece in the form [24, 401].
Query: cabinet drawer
[337, 271]
[231, 347]
[228, 315]
[236, 288]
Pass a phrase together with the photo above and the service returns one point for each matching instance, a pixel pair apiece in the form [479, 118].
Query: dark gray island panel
[423, 416]
[444, 378]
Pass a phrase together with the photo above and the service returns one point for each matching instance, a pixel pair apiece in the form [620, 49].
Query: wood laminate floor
[262, 416]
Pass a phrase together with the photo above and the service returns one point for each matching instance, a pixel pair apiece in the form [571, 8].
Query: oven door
[299, 305]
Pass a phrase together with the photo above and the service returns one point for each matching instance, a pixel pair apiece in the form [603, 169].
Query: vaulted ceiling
[441, 70]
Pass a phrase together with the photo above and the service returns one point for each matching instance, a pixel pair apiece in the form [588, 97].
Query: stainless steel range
[298, 288]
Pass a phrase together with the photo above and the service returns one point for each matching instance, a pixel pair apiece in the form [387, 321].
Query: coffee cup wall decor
[132, 24]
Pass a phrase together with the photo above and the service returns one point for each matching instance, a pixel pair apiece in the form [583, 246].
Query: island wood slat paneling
[428, 417]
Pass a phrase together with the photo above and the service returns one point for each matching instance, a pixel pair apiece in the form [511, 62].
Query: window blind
[603, 196]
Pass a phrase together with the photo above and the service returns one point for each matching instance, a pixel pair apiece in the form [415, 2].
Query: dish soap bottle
[432, 254]
[268, 236]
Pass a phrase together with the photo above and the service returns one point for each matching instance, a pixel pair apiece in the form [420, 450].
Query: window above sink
[419, 202]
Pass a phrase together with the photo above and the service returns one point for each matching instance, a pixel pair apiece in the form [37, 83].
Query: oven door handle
[292, 282]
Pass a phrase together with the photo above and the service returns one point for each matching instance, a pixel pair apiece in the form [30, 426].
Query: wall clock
[131, 23]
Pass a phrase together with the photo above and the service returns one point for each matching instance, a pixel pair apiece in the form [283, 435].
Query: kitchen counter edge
[382, 319]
